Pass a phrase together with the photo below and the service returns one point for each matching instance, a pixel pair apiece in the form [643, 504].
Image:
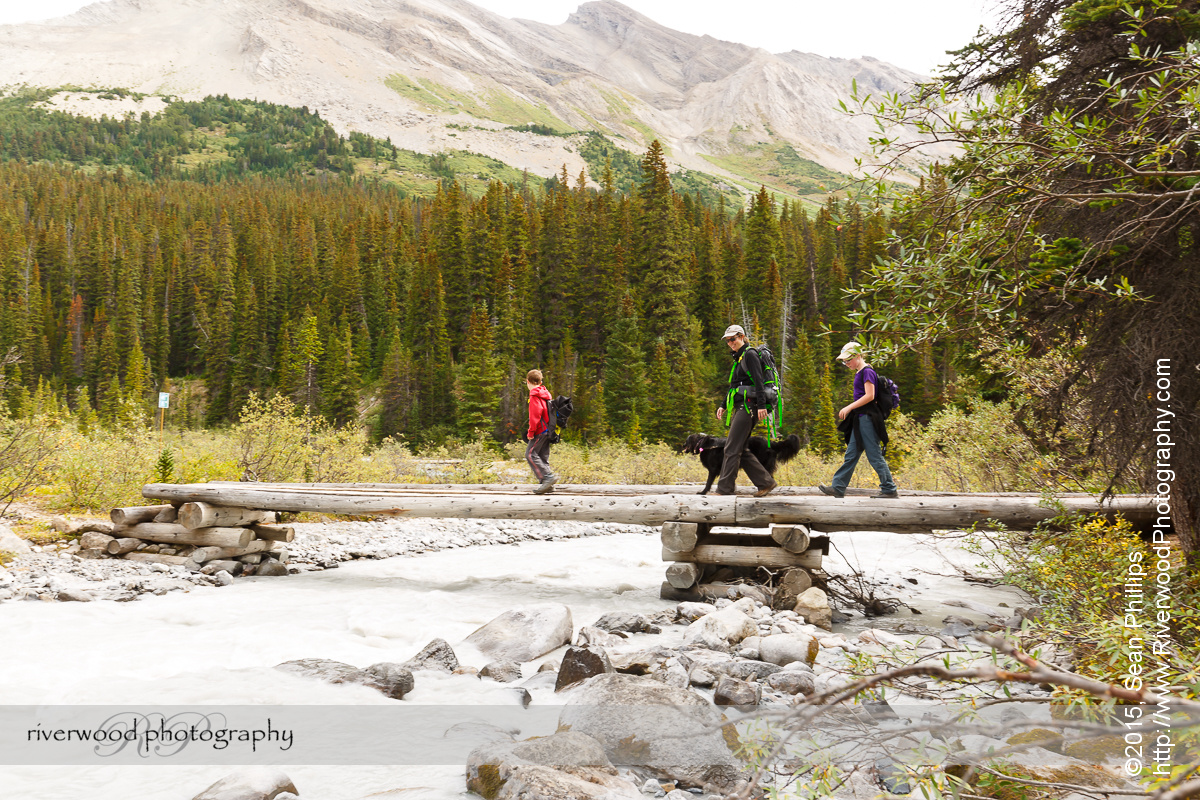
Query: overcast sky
[913, 34]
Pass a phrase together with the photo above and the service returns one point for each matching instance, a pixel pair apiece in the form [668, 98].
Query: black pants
[737, 456]
[537, 454]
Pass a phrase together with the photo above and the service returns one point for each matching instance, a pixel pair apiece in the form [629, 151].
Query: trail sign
[164, 399]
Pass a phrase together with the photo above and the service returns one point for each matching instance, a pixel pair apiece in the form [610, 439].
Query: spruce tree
[801, 391]
[339, 380]
[399, 397]
[481, 379]
[825, 437]
[625, 375]
[659, 254]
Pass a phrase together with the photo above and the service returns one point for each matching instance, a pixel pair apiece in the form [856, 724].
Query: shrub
[101, 470]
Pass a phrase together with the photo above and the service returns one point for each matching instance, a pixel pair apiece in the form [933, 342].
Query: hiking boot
[829, 490]
[885, 496]
[547, 485]
[766, 490]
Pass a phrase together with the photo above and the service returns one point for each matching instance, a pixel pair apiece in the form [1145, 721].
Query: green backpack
[774, 396]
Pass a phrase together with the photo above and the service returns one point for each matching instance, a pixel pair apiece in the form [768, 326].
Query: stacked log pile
[703, 562]
[197, 536]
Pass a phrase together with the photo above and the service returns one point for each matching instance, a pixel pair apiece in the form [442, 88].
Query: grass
[492, 103]
[779, 165]
[419, 173]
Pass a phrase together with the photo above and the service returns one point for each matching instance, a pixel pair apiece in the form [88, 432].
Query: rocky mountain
[445, 74]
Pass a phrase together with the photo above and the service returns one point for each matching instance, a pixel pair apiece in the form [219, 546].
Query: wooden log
[615, 490]
[795, 582]
[275, 534]
[174, 533]
[681, 575]
[205, 515]
[168, 514]
[681, 536]
[136, 514]
[734, 556]
[904, 514]
[708, 592]
[119, 547]
[158, 558]
[793, 538]
[204, 554]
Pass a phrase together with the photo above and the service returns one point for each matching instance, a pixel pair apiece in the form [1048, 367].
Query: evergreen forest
[282, 269]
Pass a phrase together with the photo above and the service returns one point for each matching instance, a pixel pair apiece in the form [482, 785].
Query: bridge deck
[653, 505]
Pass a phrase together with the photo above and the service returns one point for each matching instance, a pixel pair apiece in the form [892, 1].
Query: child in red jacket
[540, 431]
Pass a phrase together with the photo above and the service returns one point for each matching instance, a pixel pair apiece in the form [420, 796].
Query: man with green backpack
[748, 401]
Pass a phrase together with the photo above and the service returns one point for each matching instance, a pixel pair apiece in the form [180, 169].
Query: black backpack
[887, 395]
[560, 410]
[773, 400]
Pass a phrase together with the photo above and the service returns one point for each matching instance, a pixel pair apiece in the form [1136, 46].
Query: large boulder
[522, 634]
[11, 543]
[565, 766]
[669, 731]
[732, 692]
[626, 622]
[581, 663]
[784, 648]
[720, 630]
[252, 783]
[501, 671]
[394, 680]
[813, 605]
[438, 655]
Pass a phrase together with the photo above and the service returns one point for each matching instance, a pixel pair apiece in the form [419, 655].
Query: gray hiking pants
[737, 456]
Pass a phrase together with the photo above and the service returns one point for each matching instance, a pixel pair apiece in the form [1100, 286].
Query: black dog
[712, 452]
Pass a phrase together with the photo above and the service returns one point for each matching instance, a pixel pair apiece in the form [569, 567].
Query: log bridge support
[789, 547]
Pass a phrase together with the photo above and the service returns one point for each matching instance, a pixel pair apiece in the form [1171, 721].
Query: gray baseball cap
[731, 331]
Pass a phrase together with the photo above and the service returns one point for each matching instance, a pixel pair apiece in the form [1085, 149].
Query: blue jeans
[864, 439]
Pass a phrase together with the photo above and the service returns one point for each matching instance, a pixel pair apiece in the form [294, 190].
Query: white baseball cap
[850, 350]
[732, 331]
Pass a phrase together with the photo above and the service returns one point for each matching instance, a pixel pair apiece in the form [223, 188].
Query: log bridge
[702, 551]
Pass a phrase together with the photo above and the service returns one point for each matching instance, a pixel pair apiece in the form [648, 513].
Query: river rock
[746, 670]
[640, 662]
[671, 732]
[392, 679]
[11, 543]
[957, 626]
[270, 568]
[566, 766]
[252, 783]
[721, 629]
[784, 648]
[732, 692]
[76, 595]
[881, 637]
[813, 605]
[749, 647]
[438, 655]
[522, 634]
[581, 663]
[792, 681]
[501, 671]
[626, 622]
[693, 611]
[223, 577]
[94, 541]
[589, 634]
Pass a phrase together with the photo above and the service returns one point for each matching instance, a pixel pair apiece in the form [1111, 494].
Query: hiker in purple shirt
[863, 426]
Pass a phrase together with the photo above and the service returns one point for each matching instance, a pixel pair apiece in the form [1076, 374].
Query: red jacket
[539, 414]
